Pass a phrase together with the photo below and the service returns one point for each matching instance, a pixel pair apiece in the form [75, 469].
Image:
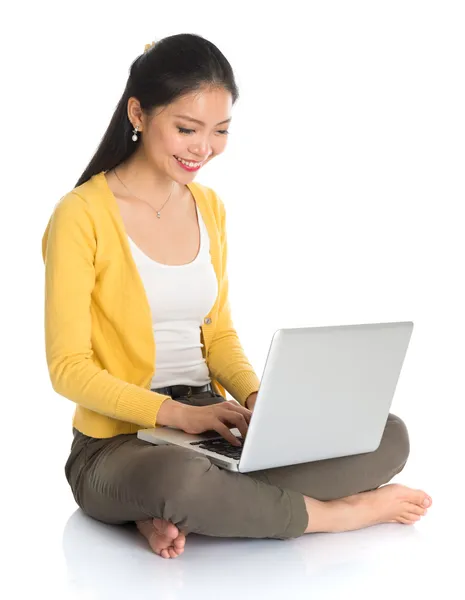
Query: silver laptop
[325, 392]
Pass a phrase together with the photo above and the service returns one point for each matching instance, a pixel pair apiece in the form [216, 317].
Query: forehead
[206, 105]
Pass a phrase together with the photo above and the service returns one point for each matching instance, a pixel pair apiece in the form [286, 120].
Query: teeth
[188, 164]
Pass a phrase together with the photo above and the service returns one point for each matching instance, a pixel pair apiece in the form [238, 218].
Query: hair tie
[148, 46]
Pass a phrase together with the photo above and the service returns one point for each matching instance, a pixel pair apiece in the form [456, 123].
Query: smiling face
[169, 133]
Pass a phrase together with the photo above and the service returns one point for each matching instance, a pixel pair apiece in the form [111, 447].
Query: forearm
[86, 384]
[229, 365]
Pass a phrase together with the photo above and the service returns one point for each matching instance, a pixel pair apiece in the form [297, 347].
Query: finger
[235, 419]
[238, 408]
[239, 421]
[227, 434]
[232, 406]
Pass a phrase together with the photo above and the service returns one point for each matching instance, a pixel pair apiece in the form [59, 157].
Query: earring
[134, 131]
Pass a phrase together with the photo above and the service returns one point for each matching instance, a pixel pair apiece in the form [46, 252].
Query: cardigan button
[207, 320]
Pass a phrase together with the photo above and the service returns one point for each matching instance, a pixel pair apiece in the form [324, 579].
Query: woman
[135, 259]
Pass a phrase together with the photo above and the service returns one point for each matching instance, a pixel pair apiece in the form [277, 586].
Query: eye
[188, 131]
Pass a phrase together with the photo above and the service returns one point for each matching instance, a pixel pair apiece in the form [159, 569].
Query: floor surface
[55, 550]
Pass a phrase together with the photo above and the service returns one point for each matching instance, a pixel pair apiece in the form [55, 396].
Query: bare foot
[163, 536]
[392, 503]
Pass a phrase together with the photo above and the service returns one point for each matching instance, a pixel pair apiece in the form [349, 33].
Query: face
[166, 135]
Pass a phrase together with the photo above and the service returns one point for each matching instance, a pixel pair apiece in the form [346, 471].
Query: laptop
[325, 392]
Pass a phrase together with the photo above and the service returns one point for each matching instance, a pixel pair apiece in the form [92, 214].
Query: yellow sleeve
[227, 361]
[68, 249]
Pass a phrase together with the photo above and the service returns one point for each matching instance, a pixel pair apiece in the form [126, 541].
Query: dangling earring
[134, 131]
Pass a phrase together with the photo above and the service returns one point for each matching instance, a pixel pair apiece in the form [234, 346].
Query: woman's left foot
[391, 503]
[163, 536]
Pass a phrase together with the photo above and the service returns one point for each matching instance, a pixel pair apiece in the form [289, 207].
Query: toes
[405, 521]
[423, 499]
[179, 543]
[413, 517]
[408, 519]
[426, 502]
[413, 496]
[416, 510]
[165, 538]
[409, 516]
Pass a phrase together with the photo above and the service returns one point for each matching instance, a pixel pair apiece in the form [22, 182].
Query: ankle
[321, 515]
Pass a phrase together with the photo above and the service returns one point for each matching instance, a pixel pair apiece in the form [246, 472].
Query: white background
[343, 181]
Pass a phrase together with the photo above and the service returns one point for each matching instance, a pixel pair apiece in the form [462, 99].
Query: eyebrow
[201, 122]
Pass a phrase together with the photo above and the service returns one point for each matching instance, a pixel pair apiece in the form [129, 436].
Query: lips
[185, 167]
[185, 159]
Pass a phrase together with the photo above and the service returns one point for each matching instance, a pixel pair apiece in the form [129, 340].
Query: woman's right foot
[163, 536]
[393, 503]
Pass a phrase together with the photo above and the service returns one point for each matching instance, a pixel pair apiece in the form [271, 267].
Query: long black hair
[175, 66]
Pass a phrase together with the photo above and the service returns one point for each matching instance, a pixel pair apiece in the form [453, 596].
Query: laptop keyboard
[221, 446]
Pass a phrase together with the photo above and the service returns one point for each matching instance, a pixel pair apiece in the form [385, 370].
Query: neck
[147, 184]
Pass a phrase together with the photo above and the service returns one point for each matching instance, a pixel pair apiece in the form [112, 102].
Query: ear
[135, 113]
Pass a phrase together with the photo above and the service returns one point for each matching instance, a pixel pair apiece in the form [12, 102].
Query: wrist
[169, 414]
[250, 399]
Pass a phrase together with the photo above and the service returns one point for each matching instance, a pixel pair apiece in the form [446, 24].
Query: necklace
[157, 211]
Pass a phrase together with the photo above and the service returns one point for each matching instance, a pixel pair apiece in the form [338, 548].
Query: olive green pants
[123, 479]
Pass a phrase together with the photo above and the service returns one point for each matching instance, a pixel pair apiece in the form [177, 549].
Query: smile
[188, 165]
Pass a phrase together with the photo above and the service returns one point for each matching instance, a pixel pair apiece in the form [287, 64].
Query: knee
[170, 476]
[398, 436]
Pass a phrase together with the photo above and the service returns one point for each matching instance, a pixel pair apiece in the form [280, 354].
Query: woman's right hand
[215, 417]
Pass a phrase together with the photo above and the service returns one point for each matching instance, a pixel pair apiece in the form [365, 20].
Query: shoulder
[83, 201]
[71, 217]
[71, 201]
[71, 208]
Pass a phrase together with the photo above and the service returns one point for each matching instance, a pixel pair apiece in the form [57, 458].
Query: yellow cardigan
[99, 341]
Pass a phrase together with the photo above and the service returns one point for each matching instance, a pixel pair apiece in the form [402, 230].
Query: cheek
[219, 145]
[178, 146]
[172, 146]
[169, 142]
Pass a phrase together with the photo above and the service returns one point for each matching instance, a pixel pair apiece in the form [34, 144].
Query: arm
[68, 253]
[226, 360]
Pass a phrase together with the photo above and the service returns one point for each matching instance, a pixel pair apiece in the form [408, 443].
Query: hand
[251, 399]
[215, 417]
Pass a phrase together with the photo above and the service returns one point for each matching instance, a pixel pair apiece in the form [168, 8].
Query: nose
[203, 151]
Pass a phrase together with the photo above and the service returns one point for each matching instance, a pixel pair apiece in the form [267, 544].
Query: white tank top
[179, 297]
